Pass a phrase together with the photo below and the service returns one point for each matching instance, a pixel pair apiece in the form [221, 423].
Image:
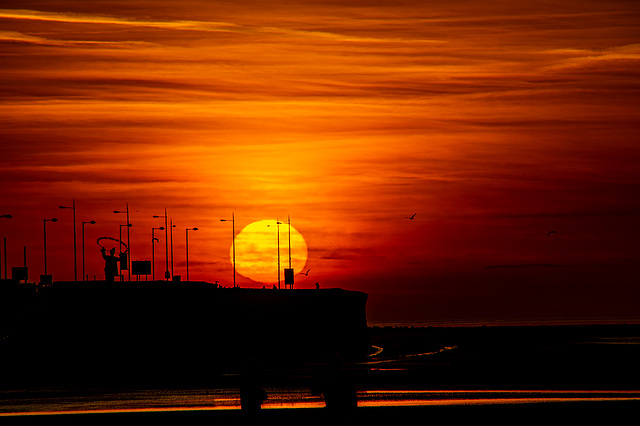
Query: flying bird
[307, 273]
[551, 232]
[410, 218]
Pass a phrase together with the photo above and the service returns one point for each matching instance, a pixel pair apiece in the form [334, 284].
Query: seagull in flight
[410, 218]
[307, 273]
[551, 232]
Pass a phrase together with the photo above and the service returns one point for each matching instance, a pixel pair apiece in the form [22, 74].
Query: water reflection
[385, 398]
[55, 402]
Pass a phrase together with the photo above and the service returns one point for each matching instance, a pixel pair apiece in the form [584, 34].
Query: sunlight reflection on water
[159, 401]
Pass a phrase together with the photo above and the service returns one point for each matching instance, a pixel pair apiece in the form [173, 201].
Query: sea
[505, 322]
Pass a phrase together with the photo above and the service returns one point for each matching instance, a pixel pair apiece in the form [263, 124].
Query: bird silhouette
[551, 232]
[410, 217]
[307, 273]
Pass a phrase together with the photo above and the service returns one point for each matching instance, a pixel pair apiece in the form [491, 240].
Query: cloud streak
[113, 20]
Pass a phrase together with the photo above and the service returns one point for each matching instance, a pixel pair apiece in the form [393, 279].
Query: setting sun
[257, 251]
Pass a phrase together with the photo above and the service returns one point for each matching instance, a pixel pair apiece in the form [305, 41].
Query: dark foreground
[502, 375]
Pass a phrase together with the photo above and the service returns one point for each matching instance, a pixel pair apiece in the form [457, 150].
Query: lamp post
[5, 216]
[153, 252]
[75, 251]
[233, 230]
[171, 233]
[45, 241]
[128, 225]
[128, 240]
[92, 222]
[288, 274]
[278, 223]
[187, 244]
[166, 243]
[289, 221]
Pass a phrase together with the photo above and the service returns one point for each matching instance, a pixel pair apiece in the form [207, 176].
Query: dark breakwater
[172, 333]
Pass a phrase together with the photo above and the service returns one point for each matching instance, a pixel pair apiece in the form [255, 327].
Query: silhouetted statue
[252, 395]
[339, 393]
[110, 264]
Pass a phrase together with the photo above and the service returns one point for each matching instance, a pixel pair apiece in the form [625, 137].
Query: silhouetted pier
[173, 332]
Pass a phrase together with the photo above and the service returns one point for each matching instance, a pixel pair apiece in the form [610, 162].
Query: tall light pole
[92, 222]
[233, 230]
[187, 244]
[128, 240]
[153, 252]
[45, 241]
[289, 220]
[5, 216]
[75, 251]
[278, 223]
[166, 244]
[171, 233]
[128, 225]
[288, 273]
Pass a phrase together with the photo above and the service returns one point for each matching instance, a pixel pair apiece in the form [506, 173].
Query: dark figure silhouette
[110, 264]
[252, 395]
[339, 393]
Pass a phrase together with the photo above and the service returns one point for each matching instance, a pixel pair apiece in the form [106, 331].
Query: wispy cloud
[194, 25]
[18, 37]
[114, 20]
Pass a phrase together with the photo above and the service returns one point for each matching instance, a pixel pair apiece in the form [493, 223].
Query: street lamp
[5, 216]
[187, 244]
[45, 241]
[166, 243]
[171, 233]
[288, 273]
[92, 222]
[278, 223]
[128, 225]
[75, 251]
[153, 252]
[128, 240]
[289, 220]
[233, 230]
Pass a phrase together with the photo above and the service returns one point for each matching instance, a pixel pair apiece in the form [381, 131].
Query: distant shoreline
[505, 322]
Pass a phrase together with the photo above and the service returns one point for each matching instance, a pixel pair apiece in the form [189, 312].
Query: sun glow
[257, 251]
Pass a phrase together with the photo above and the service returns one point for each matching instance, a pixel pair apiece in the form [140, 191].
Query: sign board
[141, 267]
[288, 277]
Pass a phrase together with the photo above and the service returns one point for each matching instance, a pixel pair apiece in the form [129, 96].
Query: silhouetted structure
[172, 333]
[252, 395]
[110, 264]
[338, 390]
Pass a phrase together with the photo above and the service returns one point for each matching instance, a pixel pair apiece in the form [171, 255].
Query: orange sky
[495, 122]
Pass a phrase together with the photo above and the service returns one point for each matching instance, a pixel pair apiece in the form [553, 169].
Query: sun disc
[257, 251]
